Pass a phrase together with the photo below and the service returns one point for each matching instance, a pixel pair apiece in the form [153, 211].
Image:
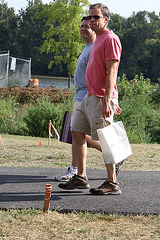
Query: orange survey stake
[47, 197]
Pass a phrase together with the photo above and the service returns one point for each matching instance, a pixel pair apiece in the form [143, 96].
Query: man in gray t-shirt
[79, 76]
[89, 37]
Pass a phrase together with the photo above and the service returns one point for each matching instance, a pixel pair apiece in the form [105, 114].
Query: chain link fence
[14, 71]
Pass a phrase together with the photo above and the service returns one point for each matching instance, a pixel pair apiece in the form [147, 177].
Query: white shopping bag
[114, 143]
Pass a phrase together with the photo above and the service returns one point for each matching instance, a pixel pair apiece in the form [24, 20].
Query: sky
[124, 8]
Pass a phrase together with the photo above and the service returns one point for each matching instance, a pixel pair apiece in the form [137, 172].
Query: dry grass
[35, 225]
[26, 152]
[31, 224]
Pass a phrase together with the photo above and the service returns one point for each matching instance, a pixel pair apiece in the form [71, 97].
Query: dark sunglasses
[96, 17]
[84, 26]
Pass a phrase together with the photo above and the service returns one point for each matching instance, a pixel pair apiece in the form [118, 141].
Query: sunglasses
[84, 26]
[95, 17]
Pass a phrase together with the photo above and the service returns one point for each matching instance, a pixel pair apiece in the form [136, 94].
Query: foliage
[139, 85]
[139, 100]
[140, 36]
[9, 28]
[63, 36]
[31, 27]
[140, 112]
[141, 119]
[29, 95]
[38, 116]
[61, 43]
[10, 117]
[156, 93]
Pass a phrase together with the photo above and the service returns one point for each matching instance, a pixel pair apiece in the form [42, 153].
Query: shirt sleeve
[112, 49]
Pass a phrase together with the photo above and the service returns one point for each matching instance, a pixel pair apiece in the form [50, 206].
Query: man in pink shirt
[97, 108]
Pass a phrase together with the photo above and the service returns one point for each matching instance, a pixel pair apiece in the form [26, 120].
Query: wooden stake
[49, 128]
[47, 197]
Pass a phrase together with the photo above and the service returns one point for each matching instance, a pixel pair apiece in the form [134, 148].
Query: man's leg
[110, 186]
[74, 155]
[111, 172]
[72, 169]
[81, 152]
[93, 143]
[78, 181]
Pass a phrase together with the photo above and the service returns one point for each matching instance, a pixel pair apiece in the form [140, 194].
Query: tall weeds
[138, 98]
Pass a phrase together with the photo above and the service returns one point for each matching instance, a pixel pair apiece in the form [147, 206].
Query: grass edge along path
[34, 224]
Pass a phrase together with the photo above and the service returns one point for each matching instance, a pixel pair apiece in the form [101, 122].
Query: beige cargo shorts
[88, 116]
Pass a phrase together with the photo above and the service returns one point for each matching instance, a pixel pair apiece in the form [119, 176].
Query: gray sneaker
[67, 175]
[107, 188]
[118, 167]
[75, 182]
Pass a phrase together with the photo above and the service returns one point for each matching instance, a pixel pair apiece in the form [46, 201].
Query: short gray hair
[104, 9]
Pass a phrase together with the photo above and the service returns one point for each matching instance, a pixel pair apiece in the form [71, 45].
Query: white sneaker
[71, 171]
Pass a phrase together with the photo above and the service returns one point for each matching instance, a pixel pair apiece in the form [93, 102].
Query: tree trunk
[69, 81]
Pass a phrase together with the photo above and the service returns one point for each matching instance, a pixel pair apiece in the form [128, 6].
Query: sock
[85, 178]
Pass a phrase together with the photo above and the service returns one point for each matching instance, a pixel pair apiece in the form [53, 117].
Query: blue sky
[122, 7]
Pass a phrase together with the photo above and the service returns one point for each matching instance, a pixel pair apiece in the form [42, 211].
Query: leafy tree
[9, 28]
[31, 27]
[63, 36]
[61, 43]
[141, 48]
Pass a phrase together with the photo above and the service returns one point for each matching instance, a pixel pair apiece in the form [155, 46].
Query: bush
[141, 120]
[139, 85]
[138, 99]
[38, 116]
[156, 93]
[153, 125]
[11, 119]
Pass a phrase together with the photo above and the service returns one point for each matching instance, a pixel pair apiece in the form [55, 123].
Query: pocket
[99, 120]
[102, 122]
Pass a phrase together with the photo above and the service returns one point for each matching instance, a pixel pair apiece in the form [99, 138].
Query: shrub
[141, 120]
[139, 85]
[11, 119]
[138, 99]
[156, 94]
[38, 116]
[153, 125]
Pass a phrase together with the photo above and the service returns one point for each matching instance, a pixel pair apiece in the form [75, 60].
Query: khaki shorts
[75, 105]
[88, 116]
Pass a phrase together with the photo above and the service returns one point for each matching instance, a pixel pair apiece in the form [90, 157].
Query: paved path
[25, 188]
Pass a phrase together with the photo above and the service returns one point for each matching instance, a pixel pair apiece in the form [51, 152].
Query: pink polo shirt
[106, 47]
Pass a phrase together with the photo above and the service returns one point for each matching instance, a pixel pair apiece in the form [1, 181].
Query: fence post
[29, 69]
[7, 69]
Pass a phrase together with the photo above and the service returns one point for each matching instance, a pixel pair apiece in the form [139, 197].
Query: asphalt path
[25, 188]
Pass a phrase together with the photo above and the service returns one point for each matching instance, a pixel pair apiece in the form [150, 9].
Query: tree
[31, 27]
[63, 36]
[141, 47]
[9, 30]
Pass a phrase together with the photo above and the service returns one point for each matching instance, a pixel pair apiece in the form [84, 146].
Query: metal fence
[14, 71]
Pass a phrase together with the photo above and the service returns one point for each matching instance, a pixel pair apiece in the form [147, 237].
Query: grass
[31, 224]
[26, 152]
[35, 225]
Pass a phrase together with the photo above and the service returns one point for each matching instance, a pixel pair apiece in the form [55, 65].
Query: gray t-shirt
[79, 76]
